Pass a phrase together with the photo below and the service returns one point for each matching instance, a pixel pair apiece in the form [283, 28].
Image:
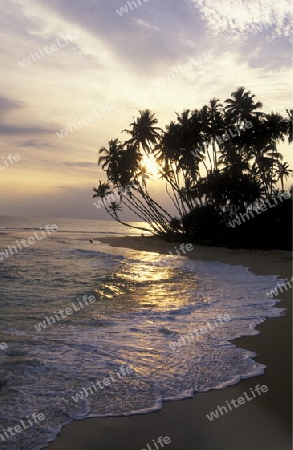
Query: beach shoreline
[264, 423]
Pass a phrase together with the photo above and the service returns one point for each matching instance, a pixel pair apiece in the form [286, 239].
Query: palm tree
[234, 162]
[241, 106]
[102, 191]
[144, 132]
[129, 164]
[111, 155]
[146, 135]
[283, 172]
[114, 207]
[143, 173]
[214, 125]
[179, 153]
[239, 169]
[289, 125]
[110, 159]
[265, 161]
[276, 128]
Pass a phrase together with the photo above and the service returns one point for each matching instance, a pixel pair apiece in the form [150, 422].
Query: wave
[141, 308]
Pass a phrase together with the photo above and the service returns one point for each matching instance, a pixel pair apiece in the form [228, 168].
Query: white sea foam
[133, 322]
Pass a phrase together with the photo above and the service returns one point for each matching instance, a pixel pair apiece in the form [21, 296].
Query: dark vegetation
[217, 163]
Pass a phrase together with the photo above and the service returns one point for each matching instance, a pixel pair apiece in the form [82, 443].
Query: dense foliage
[217, 162]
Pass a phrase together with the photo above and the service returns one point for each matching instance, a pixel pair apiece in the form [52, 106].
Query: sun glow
[151, 167]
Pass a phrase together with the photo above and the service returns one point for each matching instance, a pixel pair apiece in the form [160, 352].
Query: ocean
[136, 328]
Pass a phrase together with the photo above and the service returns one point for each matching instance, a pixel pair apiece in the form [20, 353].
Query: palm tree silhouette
[200, 160]
[114, 207]
[102, 191]
[214, 125]
[143, 131]
[283, 172]
[110, 159]
[241, 106]
[111, 155]
[143, 173]
[289, 125]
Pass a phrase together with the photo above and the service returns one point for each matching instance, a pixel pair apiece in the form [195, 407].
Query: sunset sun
[151, 166]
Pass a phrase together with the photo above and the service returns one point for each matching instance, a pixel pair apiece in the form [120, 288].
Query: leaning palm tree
[102, 191]
[110, 158]
[122, 172]
[145, 135]
[114, 207]
[143, 173]
[110, 155]
[239, 169]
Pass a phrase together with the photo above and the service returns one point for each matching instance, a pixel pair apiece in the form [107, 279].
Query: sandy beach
[261, 424]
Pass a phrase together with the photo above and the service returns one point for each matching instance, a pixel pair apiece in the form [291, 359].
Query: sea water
[143, 302]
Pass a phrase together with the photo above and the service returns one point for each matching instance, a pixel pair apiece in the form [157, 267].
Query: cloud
[118, 59]
[6, 129]
[238, 17]
[141, 38]
[272, 55]
[37, 144]
[7, 105]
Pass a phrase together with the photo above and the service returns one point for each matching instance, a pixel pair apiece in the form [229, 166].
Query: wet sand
[263, 423]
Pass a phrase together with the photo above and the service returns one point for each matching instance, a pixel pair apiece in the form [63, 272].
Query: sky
[93, 65]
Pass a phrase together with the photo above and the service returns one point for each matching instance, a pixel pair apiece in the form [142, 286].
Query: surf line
[241, 400]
